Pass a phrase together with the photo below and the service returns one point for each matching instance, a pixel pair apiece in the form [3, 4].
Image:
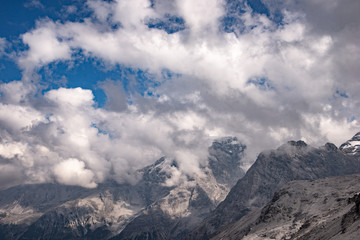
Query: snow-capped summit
[352, 146]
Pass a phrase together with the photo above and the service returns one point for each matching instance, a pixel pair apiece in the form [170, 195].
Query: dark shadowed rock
[322, 209]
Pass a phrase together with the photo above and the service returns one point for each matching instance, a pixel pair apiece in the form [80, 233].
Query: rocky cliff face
[151, 208]
[321, 209]
[272, 169]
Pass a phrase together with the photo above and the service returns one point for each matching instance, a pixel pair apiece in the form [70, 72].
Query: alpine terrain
[153, 208]
[327, 208]
[294, 160]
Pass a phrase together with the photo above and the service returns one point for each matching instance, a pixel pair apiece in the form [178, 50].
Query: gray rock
[322, 209]
[273, 169]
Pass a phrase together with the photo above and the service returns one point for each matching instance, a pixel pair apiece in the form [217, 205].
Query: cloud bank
[223, 71]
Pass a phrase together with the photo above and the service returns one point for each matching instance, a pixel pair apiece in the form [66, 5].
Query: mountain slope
[272, 169]
[52, 211]
[321, 209]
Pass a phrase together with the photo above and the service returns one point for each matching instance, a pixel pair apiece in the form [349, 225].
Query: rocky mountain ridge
[53, 211]
[156, 208]
[294, 160]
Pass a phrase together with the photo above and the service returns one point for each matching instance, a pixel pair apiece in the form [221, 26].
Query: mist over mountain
[158, 206]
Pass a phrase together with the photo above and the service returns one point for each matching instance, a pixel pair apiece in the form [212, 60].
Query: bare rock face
[272, 169]
[225, 160]
[322, 209]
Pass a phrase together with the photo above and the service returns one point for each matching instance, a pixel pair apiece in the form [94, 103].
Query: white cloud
[132, 13]
[10, 150]
[73, 172]
[295, 72]
[201, 21]
[44, 47]
[75, 97]
[14, 117]
[101, 9]
[15, 92]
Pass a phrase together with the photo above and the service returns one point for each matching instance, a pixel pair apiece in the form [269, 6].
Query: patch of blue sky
[232, 21]
[351, 119]
[259, 7]
[100, 131]
[9, 71]
[166, 74]
[169, 23]
[90, 73]
[18, 16]
[262, 83]
[342, 94]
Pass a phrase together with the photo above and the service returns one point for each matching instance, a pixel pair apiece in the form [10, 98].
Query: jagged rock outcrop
[272, 169]
[322, 209]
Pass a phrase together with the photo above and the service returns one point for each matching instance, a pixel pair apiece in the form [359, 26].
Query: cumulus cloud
[44, 46]
[34, 4]
[115, 94]
[265, 83]
[73, 172]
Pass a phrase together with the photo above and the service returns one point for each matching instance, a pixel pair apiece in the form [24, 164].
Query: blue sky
[110, 86]
[21, 16]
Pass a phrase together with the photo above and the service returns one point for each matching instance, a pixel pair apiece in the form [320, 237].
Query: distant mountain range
[150, 209]
[222, 202]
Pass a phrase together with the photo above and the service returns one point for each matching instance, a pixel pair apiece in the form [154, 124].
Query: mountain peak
[225, 156]
[229, 145]
[299, 143]
[330, 147]
[352, 146]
